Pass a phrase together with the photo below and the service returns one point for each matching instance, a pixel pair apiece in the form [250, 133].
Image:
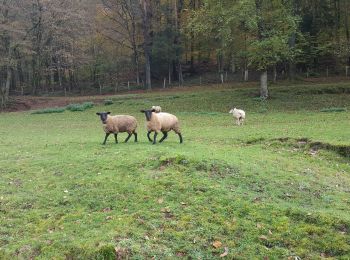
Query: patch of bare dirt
[33, 103]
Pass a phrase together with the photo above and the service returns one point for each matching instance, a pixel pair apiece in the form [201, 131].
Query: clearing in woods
[277, 187]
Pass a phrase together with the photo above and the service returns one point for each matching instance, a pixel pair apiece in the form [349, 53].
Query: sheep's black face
[103, 116]
[148, 113]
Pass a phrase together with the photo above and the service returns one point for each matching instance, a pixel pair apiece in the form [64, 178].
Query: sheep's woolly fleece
[120, 124]
[163, 122]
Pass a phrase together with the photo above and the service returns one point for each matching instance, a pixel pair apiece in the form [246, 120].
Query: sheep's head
[157, 109]
[232, 110]
[103, 116]
[148, 113]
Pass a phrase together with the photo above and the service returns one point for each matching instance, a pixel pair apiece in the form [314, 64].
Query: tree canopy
[81, 46]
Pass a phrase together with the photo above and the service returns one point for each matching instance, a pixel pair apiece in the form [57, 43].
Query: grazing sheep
[118, 124]
[161, 122]
[239, 115]
[157, 109]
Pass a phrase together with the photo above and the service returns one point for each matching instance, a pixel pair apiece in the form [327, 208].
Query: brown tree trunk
[147, 35]
[264, 93]
[263, 76]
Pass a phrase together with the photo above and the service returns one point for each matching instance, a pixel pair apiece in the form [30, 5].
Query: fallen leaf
[217, 244]
[263, 237]
[165, 210]
[180, 254]
[109, 217]
[225, 253]
[258, 225]
[106, 210]
[160, 200]
[183, 203]
[270, 232]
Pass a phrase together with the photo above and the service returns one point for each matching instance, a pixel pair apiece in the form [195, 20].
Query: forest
[104, 46]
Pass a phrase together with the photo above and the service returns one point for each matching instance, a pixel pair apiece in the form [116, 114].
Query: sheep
[161, 122]
[118, 124]
[239, 115]
[157, 109]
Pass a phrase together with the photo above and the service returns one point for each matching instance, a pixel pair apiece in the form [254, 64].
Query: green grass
[276, 187]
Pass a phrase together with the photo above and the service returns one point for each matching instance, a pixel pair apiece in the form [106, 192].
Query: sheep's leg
[127, 139]
[104, 142]
[148, 135]
[180, 136]
[135, 134]
[155, 137]
[116, 138]
[165, 135]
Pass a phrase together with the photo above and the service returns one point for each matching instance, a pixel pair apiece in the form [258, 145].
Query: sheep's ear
[108, 113]
[98, 113]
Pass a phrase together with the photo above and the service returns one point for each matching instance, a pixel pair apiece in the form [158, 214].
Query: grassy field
[275, 188]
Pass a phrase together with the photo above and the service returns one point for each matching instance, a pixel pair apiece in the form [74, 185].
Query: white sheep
[239, 115]
[118, 124]
[157, 109]
[161, 122]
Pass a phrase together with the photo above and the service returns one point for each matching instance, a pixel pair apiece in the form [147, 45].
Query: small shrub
[80, 107]
[108, 102]
[333, 109]
[49, 110]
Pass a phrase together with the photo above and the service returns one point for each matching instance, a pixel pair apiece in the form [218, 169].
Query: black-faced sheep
[118, 124]
[161, 122]
[239, 115]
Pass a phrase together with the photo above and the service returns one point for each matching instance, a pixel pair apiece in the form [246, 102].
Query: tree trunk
[148, 69]
[147, 45]
[347, 31]
[181, 79]
[292, 67]
[246, 74]
[169, 72]
[263, 84]
[137, 70]
[233, 64]
[5, 90]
